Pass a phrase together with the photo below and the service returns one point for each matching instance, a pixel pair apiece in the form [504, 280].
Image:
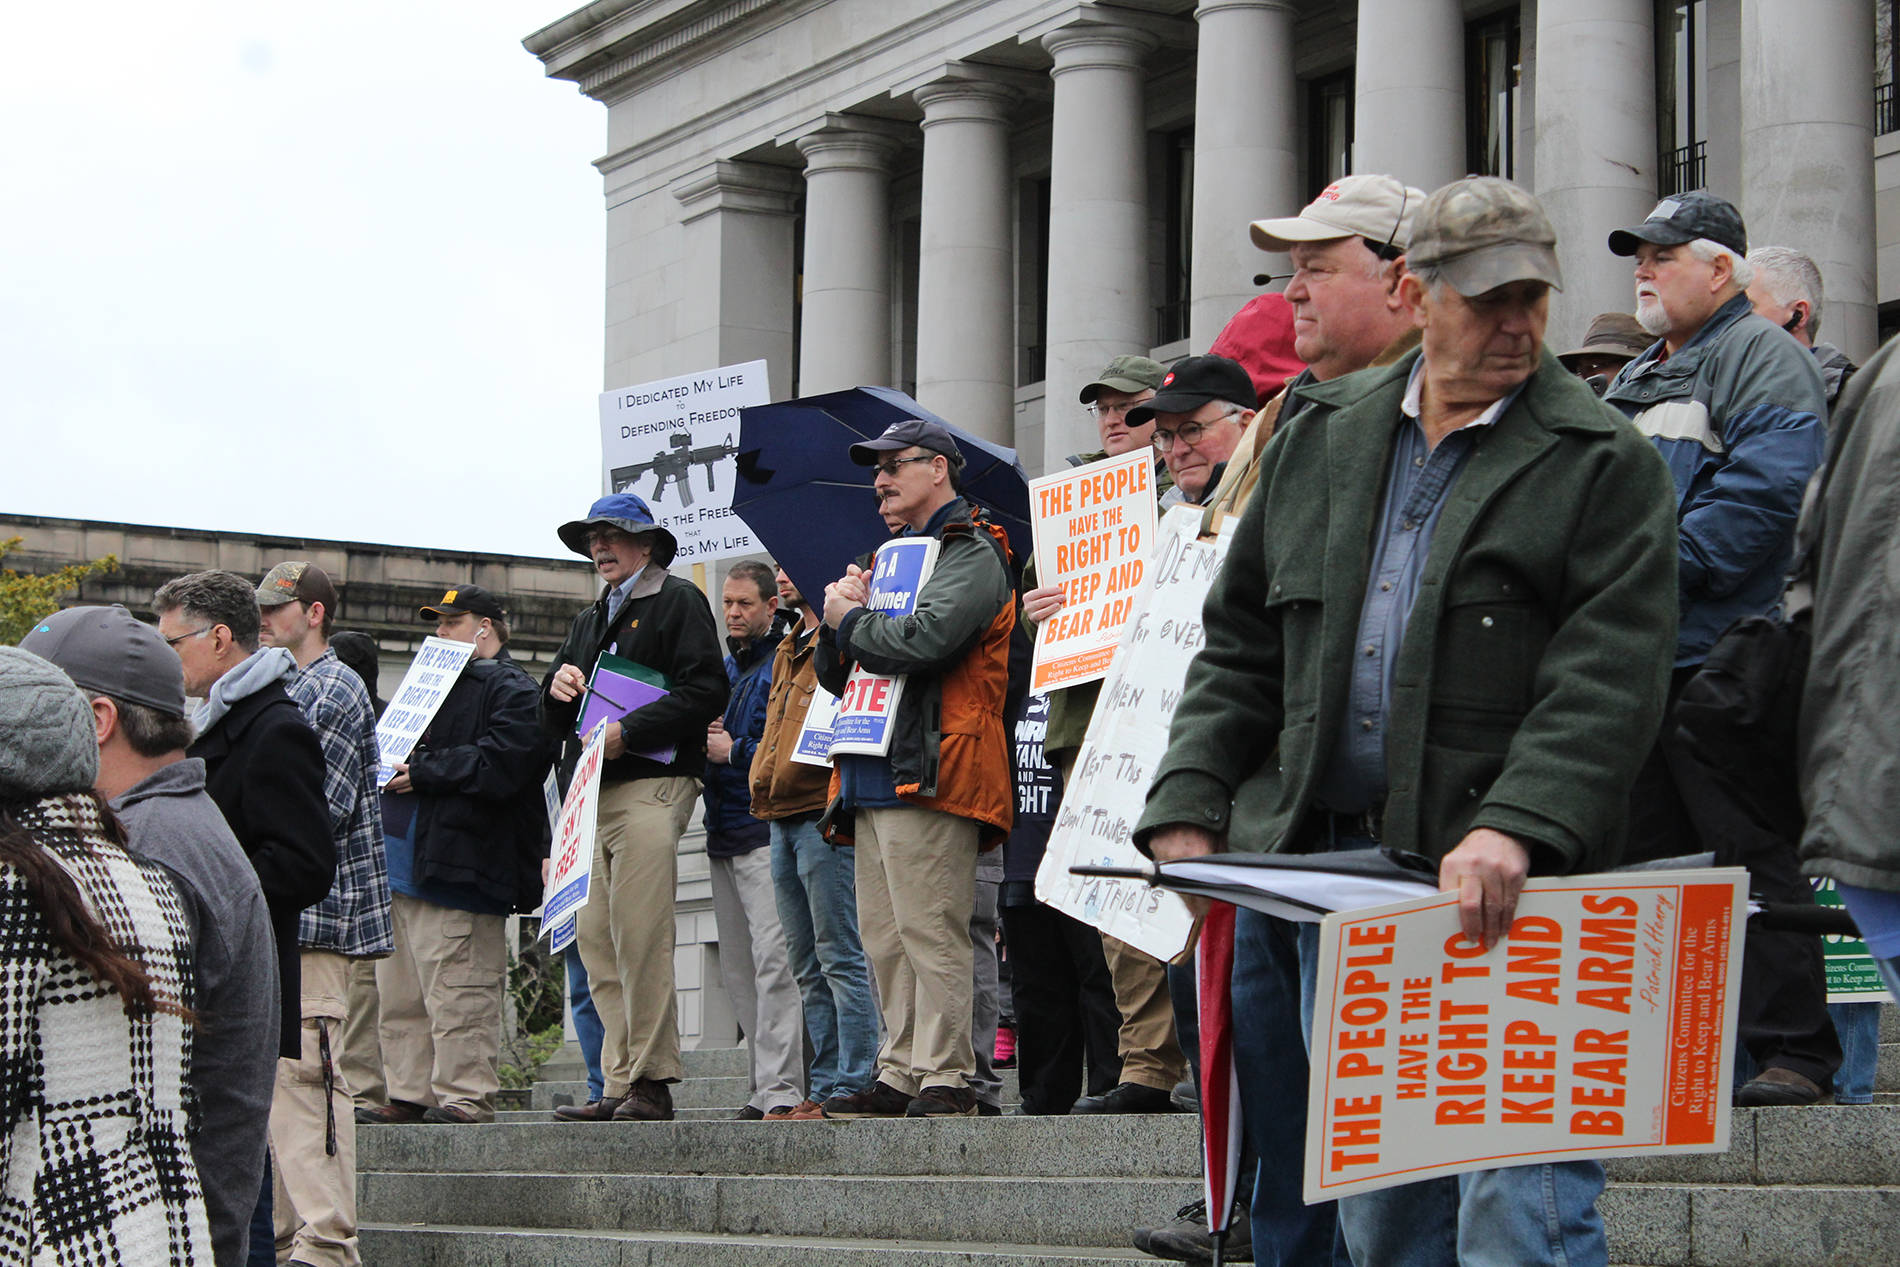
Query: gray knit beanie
[47, 741]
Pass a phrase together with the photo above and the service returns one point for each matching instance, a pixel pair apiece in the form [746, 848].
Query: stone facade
[981, 201]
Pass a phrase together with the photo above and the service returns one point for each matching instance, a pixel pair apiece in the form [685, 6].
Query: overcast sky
[327, 270]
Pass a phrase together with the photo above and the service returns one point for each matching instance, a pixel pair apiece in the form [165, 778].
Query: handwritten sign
[1092, 526]
[1126, 739]
[1602, 1025]
[868, 708]
[675, 442]
[427, 683]
[814, 737]
[572, 851]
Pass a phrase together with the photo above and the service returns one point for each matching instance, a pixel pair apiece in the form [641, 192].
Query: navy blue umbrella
[812, 507]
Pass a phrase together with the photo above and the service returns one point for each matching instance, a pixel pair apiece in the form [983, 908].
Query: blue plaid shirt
[354, 919]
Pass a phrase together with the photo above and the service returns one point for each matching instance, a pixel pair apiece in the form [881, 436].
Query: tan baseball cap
[1378, 208]
[1481, 233]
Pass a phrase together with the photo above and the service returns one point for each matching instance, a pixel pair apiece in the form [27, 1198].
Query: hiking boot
[1777, 1086]
[601, 1110]
[647, 1101]
[943, 1102]
[1184, 1238]
[1127, 1097]
[882, 1100]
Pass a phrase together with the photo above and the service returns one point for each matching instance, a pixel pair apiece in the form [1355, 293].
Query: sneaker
[882, 1100]
[1128, 1097]
[395, 1113]
[1184, 1238]
[943, 1102]
[647, 1101]
[1005, 1053]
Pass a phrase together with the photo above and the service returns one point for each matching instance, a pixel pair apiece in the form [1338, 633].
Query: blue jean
[1858, 1025]
[1271, 1012]
[1540, 1215]
[818, 909]
[587, 1027]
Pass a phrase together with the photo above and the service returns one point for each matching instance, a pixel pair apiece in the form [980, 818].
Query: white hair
[1788, 276]
[1708, 252]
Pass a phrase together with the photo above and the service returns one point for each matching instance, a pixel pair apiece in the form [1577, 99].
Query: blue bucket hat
[627, 512]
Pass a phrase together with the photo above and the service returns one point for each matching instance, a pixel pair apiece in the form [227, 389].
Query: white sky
[329, 270]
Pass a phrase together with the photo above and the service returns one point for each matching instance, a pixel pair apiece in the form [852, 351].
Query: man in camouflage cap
[1470, 670]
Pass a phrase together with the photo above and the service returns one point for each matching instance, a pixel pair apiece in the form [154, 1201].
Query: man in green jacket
[1445, 625]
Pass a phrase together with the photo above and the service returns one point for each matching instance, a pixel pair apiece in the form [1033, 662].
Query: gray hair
[1709, 252]
[223, 598]
[1788, 276]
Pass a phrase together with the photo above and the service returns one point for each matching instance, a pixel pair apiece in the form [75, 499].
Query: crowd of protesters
[174, 877]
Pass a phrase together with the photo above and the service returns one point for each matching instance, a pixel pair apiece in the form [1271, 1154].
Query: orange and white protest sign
[1603, 1025]
[1092, 526]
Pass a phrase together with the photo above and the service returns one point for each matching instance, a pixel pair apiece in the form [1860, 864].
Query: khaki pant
[440, 994]
[916, 887]
[1150, 1050]
[313, 1202]
[625, 932]
[362, 1059]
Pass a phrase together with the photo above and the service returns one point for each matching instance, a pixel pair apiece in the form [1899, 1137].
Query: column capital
[1098, 45]
[1207, 8]
[977, 99]
[848, 142]
[729, 185]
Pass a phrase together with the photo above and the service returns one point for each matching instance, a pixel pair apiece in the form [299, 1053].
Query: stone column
[1246, 162]
[1807, 149]
[736, 291]
[1101, 302]
[966, 353]
[1409, 91]
[845, 336]
[1595, 146]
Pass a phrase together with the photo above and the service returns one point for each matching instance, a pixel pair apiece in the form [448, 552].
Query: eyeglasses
[196, 633]
[890, 465]
[1098, 411]
[1188, 433]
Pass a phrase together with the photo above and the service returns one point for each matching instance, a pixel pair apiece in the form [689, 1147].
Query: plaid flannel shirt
[354, 919]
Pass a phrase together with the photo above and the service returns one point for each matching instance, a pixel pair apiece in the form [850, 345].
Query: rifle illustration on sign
[675, 467]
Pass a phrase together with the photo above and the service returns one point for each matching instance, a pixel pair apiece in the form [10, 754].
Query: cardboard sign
[1851, 974]
[1126, 739]
[868, 708]
[814, 737]
[572, 851]
[675, 442]
[1603, 1025]
[1092, 526]
[431, 674]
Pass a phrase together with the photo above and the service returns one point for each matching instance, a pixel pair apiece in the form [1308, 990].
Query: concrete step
[679, 1114]
[1728, 1225]
[1000, 1147]
[705, 1091]
[1822, 1145]
[521, 1247]
[954, 1208]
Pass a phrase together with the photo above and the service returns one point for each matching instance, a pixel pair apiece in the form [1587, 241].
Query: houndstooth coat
[95, 1164]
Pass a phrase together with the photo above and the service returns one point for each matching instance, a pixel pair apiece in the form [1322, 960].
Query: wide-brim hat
[1612, 334]
[627, 512]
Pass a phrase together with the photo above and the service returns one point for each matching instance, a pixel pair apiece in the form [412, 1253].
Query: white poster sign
[1602, 1025]
[572, 851]
[675, 442]
[814, 737]
[431, 674]
[1126, 740]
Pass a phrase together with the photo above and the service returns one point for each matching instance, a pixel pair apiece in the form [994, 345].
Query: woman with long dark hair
[95, 1021]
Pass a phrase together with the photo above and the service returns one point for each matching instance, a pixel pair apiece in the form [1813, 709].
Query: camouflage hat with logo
[297, 582]
[1481, 233]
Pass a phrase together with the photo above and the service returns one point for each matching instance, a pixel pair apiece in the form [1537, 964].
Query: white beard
[1651, 316]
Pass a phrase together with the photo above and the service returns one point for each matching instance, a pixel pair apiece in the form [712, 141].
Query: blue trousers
[587, 1027]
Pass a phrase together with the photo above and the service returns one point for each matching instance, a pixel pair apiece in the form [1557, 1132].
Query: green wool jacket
[1533, 674]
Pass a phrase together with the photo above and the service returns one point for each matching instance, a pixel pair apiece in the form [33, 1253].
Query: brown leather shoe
[453, 1115]
[601, 1110]
[395, 1113]
[647, 1101]
[880, 1100]
[1778, 1086]
[804, 1111]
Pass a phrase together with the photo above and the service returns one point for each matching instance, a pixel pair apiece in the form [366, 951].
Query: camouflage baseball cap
[1481, 232]
[1129, 374]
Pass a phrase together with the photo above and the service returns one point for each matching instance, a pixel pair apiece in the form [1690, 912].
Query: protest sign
[868, 707]
[1126, 739]
[1036, 782]
[1603, 1025]
[814, 737]
[424, 687]
[1092, 526]
[572, 851]
[618, 687]
[1851, 975]
[675, 442]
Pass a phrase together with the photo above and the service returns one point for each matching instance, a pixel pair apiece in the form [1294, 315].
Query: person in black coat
[263, 763]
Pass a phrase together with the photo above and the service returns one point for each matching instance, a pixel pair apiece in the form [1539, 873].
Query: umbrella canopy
[811, 506]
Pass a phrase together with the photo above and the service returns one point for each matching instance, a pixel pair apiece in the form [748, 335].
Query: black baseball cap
[1192, 381]
[472, 599]
[1683, 218]
[107, 651]
[911, 432]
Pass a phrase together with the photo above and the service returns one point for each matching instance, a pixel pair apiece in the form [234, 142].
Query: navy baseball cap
[1683, 218]
[910, 433]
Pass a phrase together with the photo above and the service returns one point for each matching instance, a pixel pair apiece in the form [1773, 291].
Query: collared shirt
[617, 596]
[1418, 482]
